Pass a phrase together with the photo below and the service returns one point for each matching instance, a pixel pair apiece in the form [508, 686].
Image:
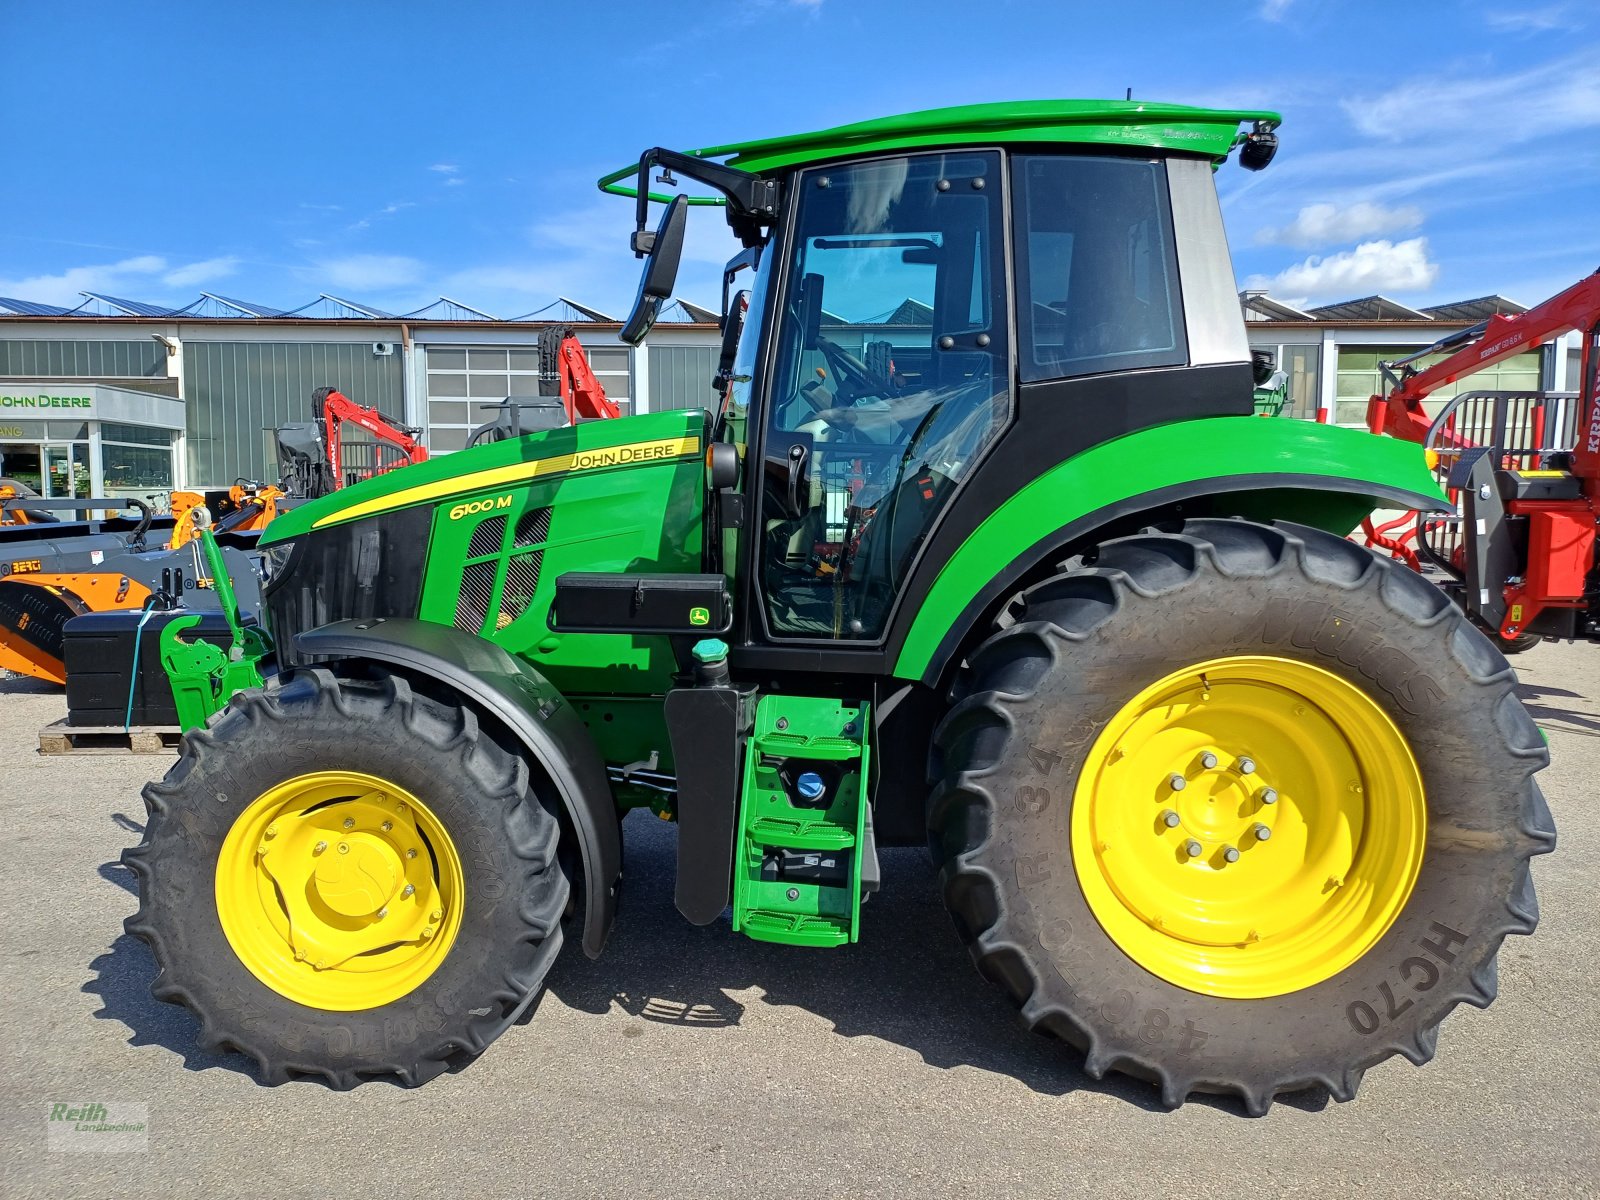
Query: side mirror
[732, 329]
[663, 253]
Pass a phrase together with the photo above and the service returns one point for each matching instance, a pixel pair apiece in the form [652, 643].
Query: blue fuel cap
[810, 786]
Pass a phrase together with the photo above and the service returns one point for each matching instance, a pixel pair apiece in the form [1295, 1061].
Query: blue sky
[393, 152]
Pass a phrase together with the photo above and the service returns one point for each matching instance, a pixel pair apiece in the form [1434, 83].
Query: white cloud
[197, 273]
[1323, 224]
[1274, 10]
[454, 181]
[130, 274]
[1381, 266]
[1550, 18]
[363, 272]
[445, 168]
[396, 206]
[1488, 111]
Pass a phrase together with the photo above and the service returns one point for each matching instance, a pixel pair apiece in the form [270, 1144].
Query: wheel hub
[339, 890]
[1249, 826]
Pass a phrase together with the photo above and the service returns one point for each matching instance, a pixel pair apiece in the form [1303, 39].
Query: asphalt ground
[691, 1062]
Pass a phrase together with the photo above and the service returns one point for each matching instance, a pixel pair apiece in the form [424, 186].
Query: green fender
[1295, 470]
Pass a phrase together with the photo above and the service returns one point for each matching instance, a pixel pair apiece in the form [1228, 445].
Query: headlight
[275, 559]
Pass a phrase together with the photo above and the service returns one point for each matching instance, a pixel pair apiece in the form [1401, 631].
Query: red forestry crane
[1526, 469]
[564, 371]
[393, 441]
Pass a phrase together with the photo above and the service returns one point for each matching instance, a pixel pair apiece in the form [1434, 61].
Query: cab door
[890, 377]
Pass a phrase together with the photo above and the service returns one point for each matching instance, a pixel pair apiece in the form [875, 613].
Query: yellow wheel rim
[1248, 826]
[339, 890]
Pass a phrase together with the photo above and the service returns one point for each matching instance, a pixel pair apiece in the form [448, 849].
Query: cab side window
[1097, 274]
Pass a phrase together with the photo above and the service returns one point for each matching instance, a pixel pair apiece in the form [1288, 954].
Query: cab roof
[1104, 122]
[1136, 123]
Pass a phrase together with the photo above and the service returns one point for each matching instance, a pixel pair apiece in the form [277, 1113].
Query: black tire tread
[455, 735]
[1042, 624]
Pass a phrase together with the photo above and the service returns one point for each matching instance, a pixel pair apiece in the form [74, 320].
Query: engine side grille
[533, 529]
[487, 537]
[522, 579]
[477, 587]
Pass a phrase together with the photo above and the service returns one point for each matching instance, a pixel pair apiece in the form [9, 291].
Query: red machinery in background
[564, 371]
[317, 457]
[394, 444]
[1523, 467]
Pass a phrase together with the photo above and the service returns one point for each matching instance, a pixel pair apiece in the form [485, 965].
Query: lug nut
[383, 912]
[410, 889]
[1262, 832]
[344, 848]
[349, 822]
[1247, 766]
[1269, 795]
[1178, 782]
[1208, 760]
[1169, 818]
[1230, 854]
[1192, 848]
[319, 847]
[411, 853]
[272, 831]
[386, 826]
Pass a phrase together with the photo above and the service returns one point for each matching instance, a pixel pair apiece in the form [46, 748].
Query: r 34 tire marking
[1417, 972]
[1120, 1009]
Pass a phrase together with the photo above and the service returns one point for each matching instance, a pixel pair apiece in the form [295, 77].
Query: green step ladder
[798, 863]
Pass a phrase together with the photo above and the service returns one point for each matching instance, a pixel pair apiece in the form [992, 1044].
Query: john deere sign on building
[68, 440]
[46, 402]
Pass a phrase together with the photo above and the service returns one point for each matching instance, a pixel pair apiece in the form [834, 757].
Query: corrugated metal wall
[236, 391]
[109, 360]
[680, 377]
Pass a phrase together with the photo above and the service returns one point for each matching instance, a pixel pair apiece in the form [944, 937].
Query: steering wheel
[850, 373]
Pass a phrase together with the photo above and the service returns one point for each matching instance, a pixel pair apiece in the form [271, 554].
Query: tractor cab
[928, 329]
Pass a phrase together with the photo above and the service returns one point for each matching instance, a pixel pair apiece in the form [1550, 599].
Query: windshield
[890, 378]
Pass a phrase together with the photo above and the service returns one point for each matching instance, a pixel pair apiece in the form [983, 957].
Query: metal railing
[1523, 427]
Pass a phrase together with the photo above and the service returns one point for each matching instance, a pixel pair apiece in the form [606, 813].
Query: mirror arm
[753, 202]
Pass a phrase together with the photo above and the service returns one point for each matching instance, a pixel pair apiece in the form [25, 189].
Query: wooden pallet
[60, 738]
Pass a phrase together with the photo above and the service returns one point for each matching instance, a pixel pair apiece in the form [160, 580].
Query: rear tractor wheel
[1239, 809]
[348, 880]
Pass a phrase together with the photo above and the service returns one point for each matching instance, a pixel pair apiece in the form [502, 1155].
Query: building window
[462, 380]
[135, 461]
[1359, 379]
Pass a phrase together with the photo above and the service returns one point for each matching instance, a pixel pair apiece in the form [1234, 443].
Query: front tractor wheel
[348, 880]
[1239, 809]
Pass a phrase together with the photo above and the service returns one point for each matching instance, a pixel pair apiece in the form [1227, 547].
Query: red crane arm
[337, 408]
[581, 393]
[1400, 412]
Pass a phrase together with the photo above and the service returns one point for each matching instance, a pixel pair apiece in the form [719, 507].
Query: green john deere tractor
[981, 546]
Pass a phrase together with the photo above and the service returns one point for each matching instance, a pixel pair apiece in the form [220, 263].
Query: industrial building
[118, 397]
[1331, 353]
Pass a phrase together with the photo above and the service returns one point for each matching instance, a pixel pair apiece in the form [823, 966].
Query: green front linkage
[203, 676]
